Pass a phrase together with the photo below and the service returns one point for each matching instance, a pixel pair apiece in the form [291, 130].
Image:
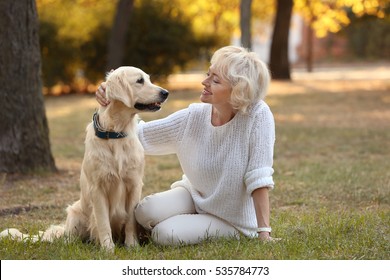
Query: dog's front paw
[109, 246]
[106, 242]
[131, 242]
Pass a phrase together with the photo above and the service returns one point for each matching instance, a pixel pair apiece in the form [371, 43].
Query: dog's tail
[49, 235]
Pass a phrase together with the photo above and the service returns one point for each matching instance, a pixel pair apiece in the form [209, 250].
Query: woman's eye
[141, 81]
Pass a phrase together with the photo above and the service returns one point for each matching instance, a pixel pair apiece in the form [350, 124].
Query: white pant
[172, 218]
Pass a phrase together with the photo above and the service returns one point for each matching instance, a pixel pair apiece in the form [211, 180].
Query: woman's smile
[206, 92]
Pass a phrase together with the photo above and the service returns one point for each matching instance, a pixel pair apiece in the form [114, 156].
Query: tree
[117, 41]
[72, 32]
[245, 23]
[217, 19]
[323, 17]
[279, 62]
[368, 36]
[24, 140]
[162, 41]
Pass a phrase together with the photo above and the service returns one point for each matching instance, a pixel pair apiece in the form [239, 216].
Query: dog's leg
[131, 224]
[131, 231]
[101, 211]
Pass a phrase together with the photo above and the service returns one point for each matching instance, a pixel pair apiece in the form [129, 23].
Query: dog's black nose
[164, 93]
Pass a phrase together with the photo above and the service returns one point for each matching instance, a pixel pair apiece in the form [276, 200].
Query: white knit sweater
[223, 165]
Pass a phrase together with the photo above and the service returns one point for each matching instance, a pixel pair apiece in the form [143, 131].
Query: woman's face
[216, 90]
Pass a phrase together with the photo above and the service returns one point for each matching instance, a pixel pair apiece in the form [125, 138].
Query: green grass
[332, 193]
[320, 234]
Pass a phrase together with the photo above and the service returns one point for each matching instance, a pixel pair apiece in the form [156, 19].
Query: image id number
[239, 270]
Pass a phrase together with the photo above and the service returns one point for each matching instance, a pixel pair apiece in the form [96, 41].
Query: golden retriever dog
[112, 171]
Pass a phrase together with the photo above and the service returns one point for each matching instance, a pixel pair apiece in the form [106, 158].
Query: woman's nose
[205, 82]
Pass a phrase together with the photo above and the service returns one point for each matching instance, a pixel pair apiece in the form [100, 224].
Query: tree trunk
[24, 137]
[117, 41]
[279, 63]
[310, 41]
[245, 23]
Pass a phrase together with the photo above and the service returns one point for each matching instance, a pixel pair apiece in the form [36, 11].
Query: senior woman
[225, 148]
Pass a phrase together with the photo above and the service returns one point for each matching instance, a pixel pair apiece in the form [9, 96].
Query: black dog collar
[103, 134]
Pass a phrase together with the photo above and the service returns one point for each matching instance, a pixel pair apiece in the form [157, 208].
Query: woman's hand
[100, 95]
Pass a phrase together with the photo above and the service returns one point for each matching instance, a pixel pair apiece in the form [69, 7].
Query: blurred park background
[80, 40]
[66, 47]
[330, 95]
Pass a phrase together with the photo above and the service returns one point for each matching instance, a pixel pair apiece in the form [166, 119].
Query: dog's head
[132, 87]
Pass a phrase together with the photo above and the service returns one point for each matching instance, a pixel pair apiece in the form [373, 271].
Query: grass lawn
[332, 193]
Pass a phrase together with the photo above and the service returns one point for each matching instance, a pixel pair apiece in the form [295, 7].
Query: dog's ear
[118, 89]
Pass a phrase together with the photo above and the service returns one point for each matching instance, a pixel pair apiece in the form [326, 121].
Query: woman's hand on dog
[100, 95]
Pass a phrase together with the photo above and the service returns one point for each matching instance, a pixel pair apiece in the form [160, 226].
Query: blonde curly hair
[247, 74]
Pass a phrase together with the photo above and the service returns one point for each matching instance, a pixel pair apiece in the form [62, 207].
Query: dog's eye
[141, 81]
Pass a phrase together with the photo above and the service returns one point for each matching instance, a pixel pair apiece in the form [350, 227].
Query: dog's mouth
[148, 107]
[155, 106]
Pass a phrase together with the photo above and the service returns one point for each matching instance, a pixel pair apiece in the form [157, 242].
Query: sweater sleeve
[161, 137]
[261, 151]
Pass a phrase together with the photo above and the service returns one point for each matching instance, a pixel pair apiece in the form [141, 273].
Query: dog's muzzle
[152, 107]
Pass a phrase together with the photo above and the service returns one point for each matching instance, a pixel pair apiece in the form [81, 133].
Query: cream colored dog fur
[112, 169]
